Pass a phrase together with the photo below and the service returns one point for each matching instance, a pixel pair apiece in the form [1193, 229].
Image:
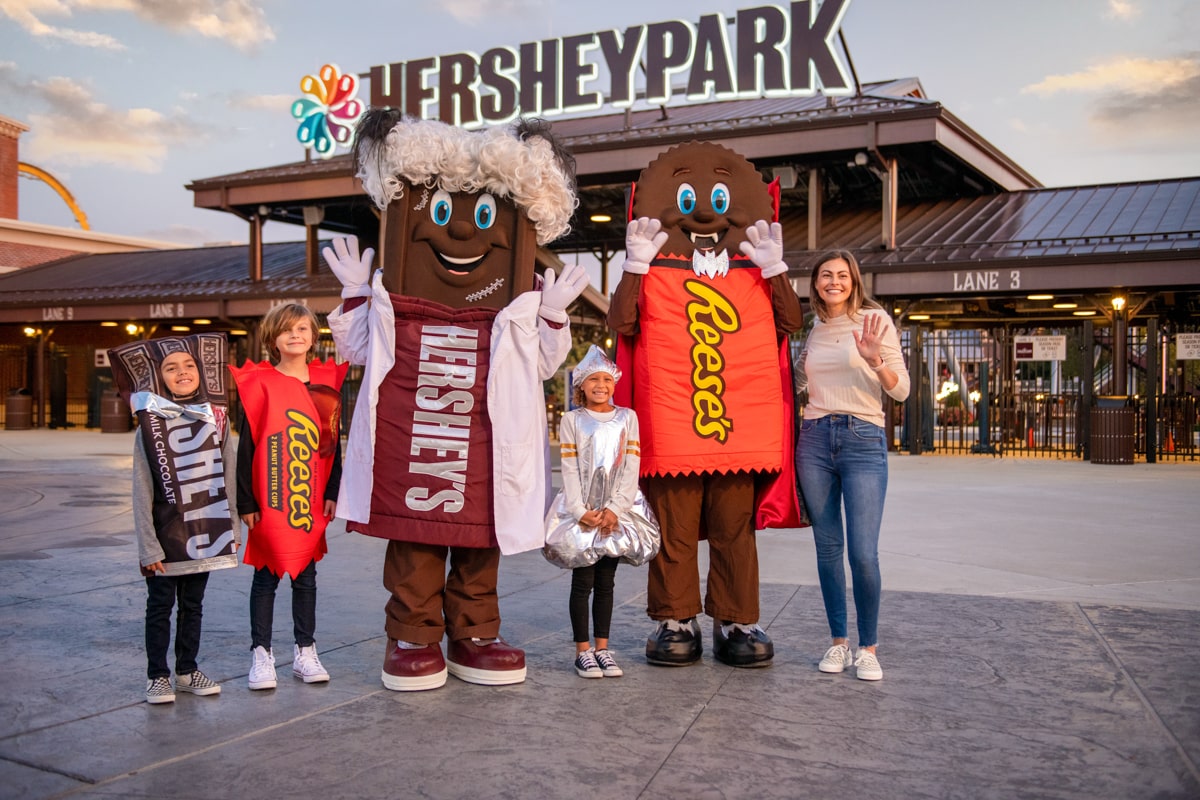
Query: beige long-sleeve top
[838, 380]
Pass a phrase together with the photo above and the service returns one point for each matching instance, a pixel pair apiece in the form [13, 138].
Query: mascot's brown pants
[725, 504]
[427, 602]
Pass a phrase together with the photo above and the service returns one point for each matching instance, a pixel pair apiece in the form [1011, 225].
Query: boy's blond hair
[281, 319]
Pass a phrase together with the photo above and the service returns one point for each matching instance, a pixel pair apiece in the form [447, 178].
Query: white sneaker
[306, 665]
[836, 658]
[262, 668]
[866, 666]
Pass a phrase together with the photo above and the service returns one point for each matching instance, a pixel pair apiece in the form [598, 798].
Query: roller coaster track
[55, 184]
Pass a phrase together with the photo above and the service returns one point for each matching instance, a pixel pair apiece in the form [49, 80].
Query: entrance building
[1033, 318]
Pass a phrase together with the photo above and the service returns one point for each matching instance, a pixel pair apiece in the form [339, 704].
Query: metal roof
[176, 275]
[1105, 222]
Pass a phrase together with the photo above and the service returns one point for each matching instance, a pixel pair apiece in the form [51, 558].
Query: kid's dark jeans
[161, 594]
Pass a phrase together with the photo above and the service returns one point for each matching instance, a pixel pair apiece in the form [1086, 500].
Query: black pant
[304, 606]
[583, 579]
[161, 594]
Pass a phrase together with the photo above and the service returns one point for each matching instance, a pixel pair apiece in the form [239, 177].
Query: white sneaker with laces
[608, 664]
[262, 668]
[306, 665]
[836, 658]
[866, 666]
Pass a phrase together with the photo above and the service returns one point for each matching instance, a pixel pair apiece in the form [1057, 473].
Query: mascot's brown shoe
[490, 662]
[413, 667]
[675, 643]
[742, 645]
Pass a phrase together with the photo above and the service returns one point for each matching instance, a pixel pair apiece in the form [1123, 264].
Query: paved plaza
[1040, 636]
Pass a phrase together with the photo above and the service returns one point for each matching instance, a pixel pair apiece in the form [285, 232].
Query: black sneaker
[608, 664]
[586, 666]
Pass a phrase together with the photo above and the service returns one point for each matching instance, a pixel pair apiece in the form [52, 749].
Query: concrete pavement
[1039, 634]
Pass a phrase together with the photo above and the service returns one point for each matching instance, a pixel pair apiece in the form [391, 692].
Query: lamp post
[1120, 347]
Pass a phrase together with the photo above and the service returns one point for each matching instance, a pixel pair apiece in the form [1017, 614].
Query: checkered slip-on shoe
[196, 683]
[158, 690]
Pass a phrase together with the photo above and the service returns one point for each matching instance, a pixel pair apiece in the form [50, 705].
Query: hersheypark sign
[767, 51]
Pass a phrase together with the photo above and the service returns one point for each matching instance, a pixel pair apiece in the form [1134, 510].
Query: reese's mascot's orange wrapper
[295, 431]
[183, 438]
[718, 409]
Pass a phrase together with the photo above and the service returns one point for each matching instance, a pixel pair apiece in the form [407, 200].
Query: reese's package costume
[448, 451]
[296, 439]
[705, 320]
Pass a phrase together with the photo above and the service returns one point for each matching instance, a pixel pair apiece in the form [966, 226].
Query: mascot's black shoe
[740, 645]
[674, 643]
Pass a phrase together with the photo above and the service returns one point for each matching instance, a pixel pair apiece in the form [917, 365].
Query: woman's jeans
[304, 606]
[841, 458]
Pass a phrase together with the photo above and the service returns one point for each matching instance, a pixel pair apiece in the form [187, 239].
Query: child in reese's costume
[448, 455]
[289, 464]
[183, 501]
[600, 517]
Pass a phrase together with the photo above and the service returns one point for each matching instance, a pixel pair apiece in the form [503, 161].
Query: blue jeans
[842, 458]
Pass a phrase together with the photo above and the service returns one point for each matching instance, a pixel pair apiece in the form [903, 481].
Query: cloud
[76, 130]
[1135, 75]
[28, 15]
[1174, 111]
[1122, 10]
[236, 22]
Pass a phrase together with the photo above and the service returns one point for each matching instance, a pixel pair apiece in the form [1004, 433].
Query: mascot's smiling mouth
[458, 266]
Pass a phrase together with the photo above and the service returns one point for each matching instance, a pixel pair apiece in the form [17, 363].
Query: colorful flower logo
[328, 111]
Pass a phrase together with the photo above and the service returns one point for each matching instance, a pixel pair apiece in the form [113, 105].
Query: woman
[852, 352]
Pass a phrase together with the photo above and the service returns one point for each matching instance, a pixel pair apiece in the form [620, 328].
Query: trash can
[1112, 436]
[114, 414]
[18, 410]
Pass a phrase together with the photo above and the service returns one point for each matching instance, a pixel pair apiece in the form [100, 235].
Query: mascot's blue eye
[485, 211]
[685, 198]
[720, 198]
[441, 207]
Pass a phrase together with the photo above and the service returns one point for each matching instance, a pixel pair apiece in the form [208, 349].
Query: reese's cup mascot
[704, 307]
[448, 454]
[184, 456]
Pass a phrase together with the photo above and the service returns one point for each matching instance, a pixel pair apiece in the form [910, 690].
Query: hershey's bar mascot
[706, 304]
[448, 450]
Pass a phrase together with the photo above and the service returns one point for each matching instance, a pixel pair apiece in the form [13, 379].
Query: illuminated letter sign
[767, 51]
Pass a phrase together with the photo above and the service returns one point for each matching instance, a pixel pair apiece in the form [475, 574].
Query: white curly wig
[528, 170]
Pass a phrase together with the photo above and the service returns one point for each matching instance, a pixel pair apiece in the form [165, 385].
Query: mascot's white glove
[764, 246]
[558, 294]
[644, 237]
[354, 272]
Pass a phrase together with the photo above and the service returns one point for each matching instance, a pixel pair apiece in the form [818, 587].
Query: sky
[128, 101]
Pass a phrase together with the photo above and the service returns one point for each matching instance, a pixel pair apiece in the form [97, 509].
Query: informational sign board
[1040, 348]
[1187, 346]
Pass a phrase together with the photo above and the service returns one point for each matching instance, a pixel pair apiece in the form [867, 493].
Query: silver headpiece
[594, 361]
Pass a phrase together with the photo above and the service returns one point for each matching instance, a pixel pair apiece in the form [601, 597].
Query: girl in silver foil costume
[600, 517]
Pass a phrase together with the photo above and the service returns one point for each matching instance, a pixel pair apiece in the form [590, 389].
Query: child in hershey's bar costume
[289, 465]
[448, 454]
[183, 494]
[600, 517]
